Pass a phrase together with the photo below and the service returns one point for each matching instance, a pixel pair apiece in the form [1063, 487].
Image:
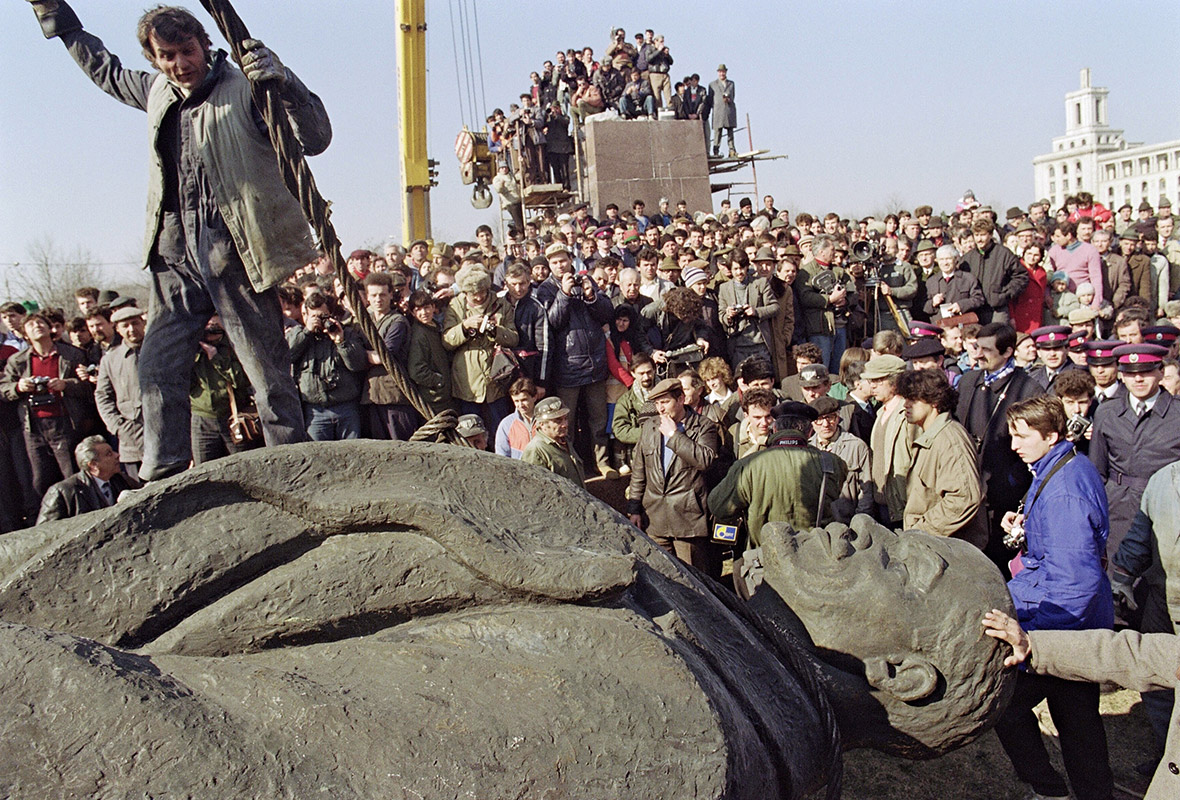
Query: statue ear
[913, 679]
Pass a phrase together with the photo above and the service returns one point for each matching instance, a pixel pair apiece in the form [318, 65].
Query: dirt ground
[981, 770]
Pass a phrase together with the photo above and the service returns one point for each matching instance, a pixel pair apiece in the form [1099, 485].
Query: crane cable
[473, 110]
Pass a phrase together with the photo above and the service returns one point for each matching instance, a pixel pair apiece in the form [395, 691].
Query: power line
[479, 57]
[468, 67]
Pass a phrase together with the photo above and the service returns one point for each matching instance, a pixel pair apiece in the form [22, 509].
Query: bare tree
[51, 274]
[890, 205]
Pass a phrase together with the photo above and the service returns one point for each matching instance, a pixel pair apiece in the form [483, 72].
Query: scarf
[1003, 372]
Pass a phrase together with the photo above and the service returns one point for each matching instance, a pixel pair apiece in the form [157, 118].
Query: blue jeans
[631, 109]
[182, 300]
[832, 347]
[333, 423]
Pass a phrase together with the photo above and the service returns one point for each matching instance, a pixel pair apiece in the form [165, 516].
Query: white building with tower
[1094, 157]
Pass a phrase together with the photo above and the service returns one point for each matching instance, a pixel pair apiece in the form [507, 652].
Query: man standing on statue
[222, 229]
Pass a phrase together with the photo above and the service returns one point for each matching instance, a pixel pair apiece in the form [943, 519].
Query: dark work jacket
[1005, 477]
[676, 501]
[1001, 276]
[580, 344]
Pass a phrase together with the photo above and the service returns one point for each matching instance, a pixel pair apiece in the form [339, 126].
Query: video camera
[865, 252]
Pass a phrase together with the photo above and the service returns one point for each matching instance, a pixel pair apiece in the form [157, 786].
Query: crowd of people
[734, 368]
[1010, 385]
[630, 81]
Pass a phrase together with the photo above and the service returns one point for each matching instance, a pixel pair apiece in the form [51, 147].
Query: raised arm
[129, 86]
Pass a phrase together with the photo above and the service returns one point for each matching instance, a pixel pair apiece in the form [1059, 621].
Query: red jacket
[1027, 308]
[1098, 212]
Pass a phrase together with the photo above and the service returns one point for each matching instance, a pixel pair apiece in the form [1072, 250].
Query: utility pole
[417, 170]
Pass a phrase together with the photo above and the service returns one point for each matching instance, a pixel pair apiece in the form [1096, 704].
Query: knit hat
[693, 275]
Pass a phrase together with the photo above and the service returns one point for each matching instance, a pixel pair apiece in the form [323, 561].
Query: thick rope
[301, 183]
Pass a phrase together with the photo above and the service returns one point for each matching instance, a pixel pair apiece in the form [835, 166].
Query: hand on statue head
[260, 64]
[999, 625]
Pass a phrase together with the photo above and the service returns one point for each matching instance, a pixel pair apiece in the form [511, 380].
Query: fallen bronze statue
[375, 619]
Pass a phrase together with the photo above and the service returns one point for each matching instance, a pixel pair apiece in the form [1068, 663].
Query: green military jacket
[544, 452]
[779, 484]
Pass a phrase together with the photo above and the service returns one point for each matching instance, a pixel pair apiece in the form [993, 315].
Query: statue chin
[374, 618]
[892, 618]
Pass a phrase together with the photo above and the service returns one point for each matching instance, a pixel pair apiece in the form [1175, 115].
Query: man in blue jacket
[577, 312]
[1058, 583]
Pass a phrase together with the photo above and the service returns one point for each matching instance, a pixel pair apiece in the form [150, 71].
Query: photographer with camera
[54, 407]
[1058, 583]
[329, 363]
[747, 307]
[826, 299]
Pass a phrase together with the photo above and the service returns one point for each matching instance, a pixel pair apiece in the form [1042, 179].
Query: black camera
[1076, 427]
[40, 395]
[92, 369]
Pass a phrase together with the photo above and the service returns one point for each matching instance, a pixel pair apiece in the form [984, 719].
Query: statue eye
[920, 564]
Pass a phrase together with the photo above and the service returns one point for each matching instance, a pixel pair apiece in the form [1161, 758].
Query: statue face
[926, 652]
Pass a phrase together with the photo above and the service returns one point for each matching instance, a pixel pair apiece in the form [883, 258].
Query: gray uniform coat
[1127, 450]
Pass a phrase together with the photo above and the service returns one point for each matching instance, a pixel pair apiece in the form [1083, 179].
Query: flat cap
[557, 248]
[127, 312]
[883, 367]
[825, 405]
[668, 387]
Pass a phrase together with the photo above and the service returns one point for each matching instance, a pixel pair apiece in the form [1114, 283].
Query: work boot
[732, 153]
[608, 472]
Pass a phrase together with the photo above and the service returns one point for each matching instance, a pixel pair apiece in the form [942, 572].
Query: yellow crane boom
[417, 170]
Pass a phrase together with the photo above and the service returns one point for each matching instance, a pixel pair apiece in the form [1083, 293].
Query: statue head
[921, 658]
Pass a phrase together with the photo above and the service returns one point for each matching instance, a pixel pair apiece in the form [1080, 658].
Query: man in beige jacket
[1138, 661]
[943, 491]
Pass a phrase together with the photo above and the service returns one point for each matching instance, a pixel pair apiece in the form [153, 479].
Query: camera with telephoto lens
[1076, 427]
[866, 252]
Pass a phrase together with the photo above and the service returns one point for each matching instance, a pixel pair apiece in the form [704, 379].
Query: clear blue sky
[873, 102]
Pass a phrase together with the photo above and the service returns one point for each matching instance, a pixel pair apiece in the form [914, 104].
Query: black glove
[56, 17]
